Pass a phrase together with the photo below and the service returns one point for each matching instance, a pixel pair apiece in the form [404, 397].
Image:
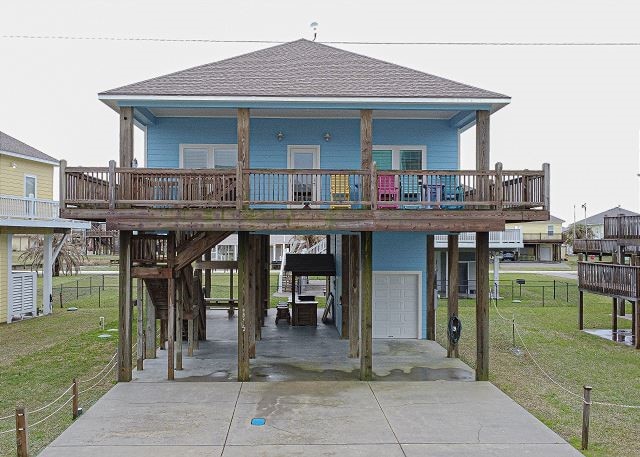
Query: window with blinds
[224, 156]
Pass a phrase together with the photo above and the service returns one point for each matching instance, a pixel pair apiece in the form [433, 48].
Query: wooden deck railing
[149, 249]
[113, 187]
[622, 227]
[601, 246]
[542, 236]
[609, 279]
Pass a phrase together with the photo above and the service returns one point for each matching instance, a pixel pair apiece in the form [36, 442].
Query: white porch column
[47, 267]
[9, 276]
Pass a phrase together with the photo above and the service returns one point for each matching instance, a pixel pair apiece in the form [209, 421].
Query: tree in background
[567, 235]
[69, 259]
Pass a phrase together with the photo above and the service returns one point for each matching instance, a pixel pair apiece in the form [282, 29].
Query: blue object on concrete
[258, 421]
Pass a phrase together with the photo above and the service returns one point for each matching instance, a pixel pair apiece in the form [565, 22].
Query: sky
[574, 107]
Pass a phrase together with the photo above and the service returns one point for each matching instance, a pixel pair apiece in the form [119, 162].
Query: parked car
[508, 256]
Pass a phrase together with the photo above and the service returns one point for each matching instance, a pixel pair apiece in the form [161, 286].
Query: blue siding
[391, 251]
[400, 251]
[343, 151]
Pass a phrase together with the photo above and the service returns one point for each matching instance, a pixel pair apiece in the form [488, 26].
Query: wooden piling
[22, 433]
[171, 305]
[580, 310]
[366, 312]
[586, 412]
[74, 401]
[431, 286]
[482, 306]
[452, 292]
[345, 288]
[124, 309]
[150, 327]
[353, 293]
[140, 325]
[243, 308]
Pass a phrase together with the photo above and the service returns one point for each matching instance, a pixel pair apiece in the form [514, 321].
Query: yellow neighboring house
[27, 207]
[542, 240]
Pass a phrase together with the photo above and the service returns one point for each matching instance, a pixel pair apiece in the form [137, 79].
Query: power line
[343, 42]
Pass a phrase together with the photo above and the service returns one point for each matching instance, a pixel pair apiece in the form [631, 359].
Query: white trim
[146, 147]
[35, 190]
[45, 223]
[395, 153]
[356, 100]
[33, 159]
[420, 302]
[316, 165]
[211, 149]
[9, 276]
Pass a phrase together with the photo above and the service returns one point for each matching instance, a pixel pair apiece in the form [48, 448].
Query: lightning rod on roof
[314, 27]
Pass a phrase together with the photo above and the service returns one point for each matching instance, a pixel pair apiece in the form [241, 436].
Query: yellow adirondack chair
[340, 191]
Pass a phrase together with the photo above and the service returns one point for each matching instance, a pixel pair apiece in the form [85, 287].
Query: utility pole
[584, 205]
[574, 225]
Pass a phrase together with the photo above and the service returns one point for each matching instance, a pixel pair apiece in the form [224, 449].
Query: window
[400, 157]
[222, 156]
[549, 229]
[30, 186]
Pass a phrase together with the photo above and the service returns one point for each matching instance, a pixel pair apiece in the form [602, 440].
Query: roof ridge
[27, 150]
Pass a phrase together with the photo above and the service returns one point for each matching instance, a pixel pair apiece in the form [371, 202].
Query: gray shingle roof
[303, 68]
[11, 145]
[598, 219]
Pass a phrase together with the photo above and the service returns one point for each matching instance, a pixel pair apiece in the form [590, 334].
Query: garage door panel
[395, 305]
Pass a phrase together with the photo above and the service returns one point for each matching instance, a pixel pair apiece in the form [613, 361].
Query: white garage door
[395, 305]
[546, 253]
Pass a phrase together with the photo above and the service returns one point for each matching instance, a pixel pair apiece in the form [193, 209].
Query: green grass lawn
[40, 357]
[571, 357]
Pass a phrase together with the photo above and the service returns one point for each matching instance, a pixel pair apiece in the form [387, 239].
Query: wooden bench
[230, 304]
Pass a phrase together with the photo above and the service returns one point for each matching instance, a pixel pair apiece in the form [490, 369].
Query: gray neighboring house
[596, 222]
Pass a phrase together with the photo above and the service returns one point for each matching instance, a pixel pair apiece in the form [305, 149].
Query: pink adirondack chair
[388, 194]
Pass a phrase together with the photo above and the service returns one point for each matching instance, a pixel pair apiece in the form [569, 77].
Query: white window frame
[35, 179]
[395, 153]
[210, 151]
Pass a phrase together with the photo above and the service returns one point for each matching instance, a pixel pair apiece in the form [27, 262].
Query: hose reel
[454, 329]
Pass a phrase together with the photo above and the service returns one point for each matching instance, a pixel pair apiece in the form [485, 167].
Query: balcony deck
[12, 206]
[620, 281]
[285, 199]
[624, 229]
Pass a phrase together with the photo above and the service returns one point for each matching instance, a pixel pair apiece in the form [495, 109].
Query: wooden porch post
[452, 292]
[181, 295]
[124, 309]
[431, 286]
[636, 322]
[250, 279]
[614, 318]
[366, 145]
[207, 275]
[47, 267]
[140, 325]
[171, 305]
[366, 312]
[483, 158]
[126, 136]
[580, 310]
[482, 306]
[243, 308]
[346, 289]
[150, 327]
[242, 186]
[353, 292]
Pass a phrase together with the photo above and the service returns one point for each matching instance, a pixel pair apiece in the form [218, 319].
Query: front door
[304, 187]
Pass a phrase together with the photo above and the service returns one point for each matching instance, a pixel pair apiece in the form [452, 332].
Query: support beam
[345, 289]
[250, 280]
[207, 274]
[636, 322]
[171, 305]
[150, 327]
[140, 325]
[614, 317]
[366, 146]
[366, 311]
[124, 309]
[47, 272]
[126, 136]
[580, 310]
[431, 286]
[483, 156]
[180, 302]
[242, 184]
[353, 292]
[453, 284]
[243, 311]
[482, 306]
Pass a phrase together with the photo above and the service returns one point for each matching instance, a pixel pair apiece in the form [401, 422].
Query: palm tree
[68, 261]
[567, 236]
[301, 243]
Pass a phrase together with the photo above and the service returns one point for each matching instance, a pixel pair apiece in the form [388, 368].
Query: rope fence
[585, 398]
[22, 426]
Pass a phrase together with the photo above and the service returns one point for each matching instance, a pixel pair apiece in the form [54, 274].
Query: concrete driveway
[321, 418]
